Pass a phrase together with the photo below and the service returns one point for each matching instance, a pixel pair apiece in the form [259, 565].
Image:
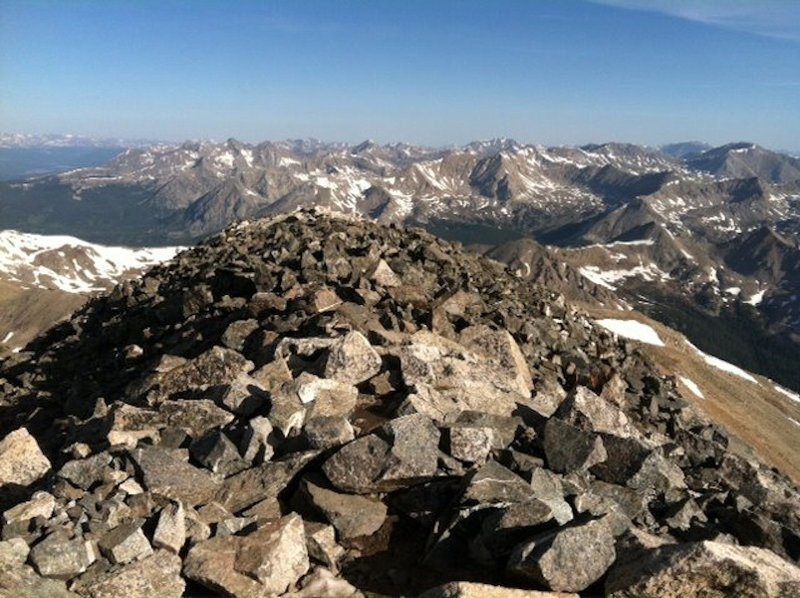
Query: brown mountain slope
[24, 313]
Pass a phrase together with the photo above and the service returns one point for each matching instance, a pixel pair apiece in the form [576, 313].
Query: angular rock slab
[356, 466]
[21, 582]
[170, 532]
[351, 514]
[567, 560]
[450, 379]
[494, 484]
[218, 365]
[125, 543]
[22, 462]
[62, 558]
[156, 576]
[86, 472]
[413, 456]
[352, 359]
[468, 589]
[41, 504]
[324, 396]
[403, 453]
[500, 348]
[265, 481]
[170, 477]
[569, 449]
[705, 569]
[266, 562]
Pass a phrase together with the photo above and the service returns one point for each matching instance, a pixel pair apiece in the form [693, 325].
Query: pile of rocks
[314, 405]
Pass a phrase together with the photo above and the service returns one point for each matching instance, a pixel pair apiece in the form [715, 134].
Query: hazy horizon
[352, 143]
[446, 73]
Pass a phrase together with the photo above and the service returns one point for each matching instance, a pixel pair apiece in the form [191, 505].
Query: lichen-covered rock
[567, 560]
[467, 589]
[125, 543]
[21, 460]
[266, 562]
[170, 532]
[350, 514]
[704, 569]
[352, 359]
[163, 474]
[60, 557]
[158, 575]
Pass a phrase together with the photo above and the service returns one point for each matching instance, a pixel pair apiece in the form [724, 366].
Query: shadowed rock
[704, 568]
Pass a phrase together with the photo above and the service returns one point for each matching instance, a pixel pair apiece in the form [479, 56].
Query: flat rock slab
[449, 379]
[41, 505]
[467, 589]
[170, 477]
[352, 515]
[704, 569]
[62, 558]
[157, 576]
[265, 562]
[22, 582]
[265, 481]
[218, 365]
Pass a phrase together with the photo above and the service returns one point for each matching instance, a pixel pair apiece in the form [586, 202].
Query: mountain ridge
[424, 407]
[687, 219]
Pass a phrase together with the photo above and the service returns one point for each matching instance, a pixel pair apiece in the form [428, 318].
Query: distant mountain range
[25, 155]
[705, 239]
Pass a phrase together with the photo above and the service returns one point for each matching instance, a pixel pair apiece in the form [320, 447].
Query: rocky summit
[316, 405]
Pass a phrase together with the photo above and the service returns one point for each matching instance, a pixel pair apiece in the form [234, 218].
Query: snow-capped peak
[70, 264]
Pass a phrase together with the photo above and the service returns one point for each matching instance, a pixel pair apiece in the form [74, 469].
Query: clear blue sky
[427, 71]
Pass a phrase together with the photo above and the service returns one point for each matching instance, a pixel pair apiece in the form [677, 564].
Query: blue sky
[426, 71]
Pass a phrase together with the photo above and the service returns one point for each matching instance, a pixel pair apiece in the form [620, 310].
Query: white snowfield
[757, 298]
[609, 278]
[785, 391]
[718, 363]
[633, 330]
[691, 385]
[71, 264]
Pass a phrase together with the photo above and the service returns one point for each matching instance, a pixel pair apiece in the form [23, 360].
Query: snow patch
[785, 391]
[649, 272]
[720, 364]
[285, 162]
[7, 337]
[91, 268]
[325, 183]
[633, 330]
[756, 298]
[225, 159]
[690, 384]
[593, 274]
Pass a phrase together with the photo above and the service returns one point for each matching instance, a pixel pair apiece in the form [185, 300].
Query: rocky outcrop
[707, 569]
[315, 405]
